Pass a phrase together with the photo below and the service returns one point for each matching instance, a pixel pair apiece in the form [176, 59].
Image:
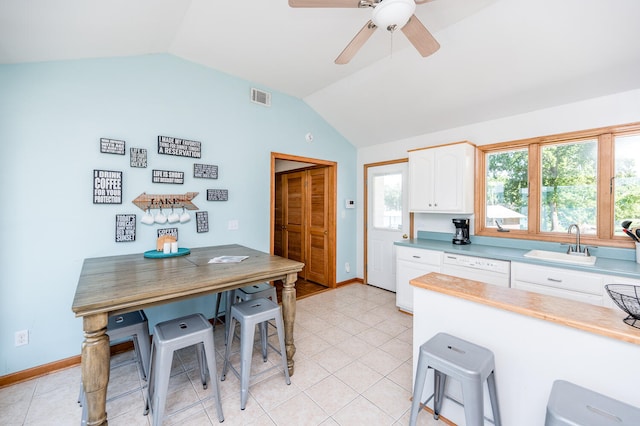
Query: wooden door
[293, 214]
[317, 248]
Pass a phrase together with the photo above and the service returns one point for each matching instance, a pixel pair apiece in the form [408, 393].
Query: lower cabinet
[567, 283]
[412, 263]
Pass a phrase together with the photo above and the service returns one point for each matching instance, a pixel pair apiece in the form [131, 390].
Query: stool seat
[168, 337]
[573, 405]
[470, 364]
[249, 314]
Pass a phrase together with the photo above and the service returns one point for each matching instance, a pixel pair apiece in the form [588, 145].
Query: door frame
[366, 210]
[332, 167]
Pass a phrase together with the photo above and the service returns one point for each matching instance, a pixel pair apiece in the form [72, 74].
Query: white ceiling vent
[260, 97]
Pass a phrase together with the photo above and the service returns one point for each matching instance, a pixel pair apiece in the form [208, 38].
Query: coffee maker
[462, 231]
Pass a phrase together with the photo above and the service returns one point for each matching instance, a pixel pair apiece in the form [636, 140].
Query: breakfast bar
[118, 284]
[536, 339]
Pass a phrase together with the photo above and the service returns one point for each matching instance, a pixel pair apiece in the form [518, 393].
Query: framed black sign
[138, 157]
[125, 228]
[180, 147]
[202, 222]
[167, 176]
[112, 146]
[217, 195]
[168, 231]
[206, 171]
[107, 187]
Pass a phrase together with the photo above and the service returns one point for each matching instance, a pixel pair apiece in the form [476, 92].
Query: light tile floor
[353, 366]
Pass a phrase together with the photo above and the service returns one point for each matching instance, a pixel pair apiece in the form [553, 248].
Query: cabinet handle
[415, 257]
[554, 280]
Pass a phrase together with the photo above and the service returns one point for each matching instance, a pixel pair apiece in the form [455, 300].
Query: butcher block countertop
[594, 319]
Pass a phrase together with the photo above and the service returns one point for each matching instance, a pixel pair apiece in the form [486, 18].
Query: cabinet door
[421, 165]
[405, 272]
[447, 179]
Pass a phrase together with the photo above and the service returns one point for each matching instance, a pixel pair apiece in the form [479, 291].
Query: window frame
[605, 137]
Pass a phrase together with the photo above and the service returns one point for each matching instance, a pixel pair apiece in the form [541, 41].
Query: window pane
[507, 191]
[387, 201]
[569, 187]
[627, 182]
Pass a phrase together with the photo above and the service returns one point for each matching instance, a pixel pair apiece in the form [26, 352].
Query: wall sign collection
[108, 185]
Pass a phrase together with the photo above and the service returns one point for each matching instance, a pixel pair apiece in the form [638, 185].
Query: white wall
[621, 108]
[52, 116]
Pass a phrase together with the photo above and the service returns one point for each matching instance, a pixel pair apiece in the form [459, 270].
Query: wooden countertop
[594, 319]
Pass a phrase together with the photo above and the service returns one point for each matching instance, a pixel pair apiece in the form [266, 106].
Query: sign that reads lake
[125, 228]
[107, 187]
[167, 176]
[111, 146]
[206, 171]
[217, 195]
[180, 147]
[202, 222]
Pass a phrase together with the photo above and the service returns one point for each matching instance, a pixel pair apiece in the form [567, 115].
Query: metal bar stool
[257, 291]
[572, 405]
[132, 326]
[250, 292]
[249, 314]
[461, 360]
[168, 337]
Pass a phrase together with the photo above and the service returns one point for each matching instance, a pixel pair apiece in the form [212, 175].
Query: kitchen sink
[554, 256]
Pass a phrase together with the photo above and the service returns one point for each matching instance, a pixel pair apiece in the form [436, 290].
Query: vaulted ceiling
[497, 57]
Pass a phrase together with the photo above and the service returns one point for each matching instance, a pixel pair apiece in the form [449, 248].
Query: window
[387, 201]
[627, 181]
[568, 192]
[507, 189]
[536, 188]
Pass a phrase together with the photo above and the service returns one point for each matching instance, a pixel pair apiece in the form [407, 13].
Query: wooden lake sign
[155, 201]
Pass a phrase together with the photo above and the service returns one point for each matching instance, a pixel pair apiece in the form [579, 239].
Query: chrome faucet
[577, 249]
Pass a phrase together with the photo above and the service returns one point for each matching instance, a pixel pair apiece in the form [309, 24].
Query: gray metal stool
[130, 326]
[168, 337]
[249, 314]
[573, 405]
[461, 360]
[257, 291]
[250, 292]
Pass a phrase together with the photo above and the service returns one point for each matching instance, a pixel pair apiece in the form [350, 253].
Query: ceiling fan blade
[355, 44]
[324, 3]
[420, 37]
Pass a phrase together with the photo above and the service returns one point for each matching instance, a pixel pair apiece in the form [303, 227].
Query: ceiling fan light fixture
[393, 14]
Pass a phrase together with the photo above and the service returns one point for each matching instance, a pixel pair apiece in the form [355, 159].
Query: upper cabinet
[441, 179]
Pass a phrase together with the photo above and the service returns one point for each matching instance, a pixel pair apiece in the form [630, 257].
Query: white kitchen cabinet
[567, 283]
[441, 179]
[411, 263]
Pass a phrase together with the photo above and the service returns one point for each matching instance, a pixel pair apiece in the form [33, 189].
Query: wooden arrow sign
[155, 201]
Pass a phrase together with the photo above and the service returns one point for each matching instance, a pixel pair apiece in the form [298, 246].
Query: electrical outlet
[233, 225]
[22, 337]
[347, 267]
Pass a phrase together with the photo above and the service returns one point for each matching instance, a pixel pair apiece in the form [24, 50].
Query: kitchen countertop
[604, 265]
[595, 319]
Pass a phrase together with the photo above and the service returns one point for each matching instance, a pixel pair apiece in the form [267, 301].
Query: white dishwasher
[490, 271]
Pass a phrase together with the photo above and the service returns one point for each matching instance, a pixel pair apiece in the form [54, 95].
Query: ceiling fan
[389, 14]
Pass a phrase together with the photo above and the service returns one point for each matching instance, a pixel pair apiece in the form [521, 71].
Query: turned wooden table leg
[95, 367]
[289, 316]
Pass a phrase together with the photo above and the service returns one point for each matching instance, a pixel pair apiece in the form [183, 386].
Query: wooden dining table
[118, 284]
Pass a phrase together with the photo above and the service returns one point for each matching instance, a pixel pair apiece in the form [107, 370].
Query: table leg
[289, 316]
[95, 367]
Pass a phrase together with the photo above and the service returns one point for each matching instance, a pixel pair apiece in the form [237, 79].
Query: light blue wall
[52, 116]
